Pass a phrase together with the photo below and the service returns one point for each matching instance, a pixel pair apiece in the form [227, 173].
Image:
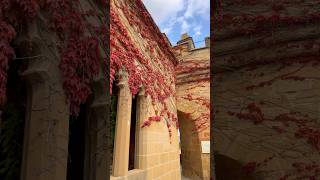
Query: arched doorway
[190, 158]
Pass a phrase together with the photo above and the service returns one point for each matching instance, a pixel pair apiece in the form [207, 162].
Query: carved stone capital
[123, 79]
[142, 91]
[37, 73]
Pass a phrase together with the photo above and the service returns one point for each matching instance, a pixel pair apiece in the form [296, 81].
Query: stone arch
[191, 160]
[231, 153]
[227, 168]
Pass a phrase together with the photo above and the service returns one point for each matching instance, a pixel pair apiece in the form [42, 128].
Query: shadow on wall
[227, 168]
[191, 160]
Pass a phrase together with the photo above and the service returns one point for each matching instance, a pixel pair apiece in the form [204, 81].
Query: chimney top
[184, 36]
[186, 39]
[207, 41]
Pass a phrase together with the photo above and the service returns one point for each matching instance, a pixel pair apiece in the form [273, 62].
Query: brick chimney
[207, 41]
[186, 39]
[184, 45]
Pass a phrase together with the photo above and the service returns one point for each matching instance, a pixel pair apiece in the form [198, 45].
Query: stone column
[97, 155]
[45, 150]
[96, 166]
[142, 112]
[122, 136]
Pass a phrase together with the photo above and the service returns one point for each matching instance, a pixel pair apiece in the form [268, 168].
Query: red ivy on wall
[303, 129]
[198, 72]
[264, 25]
[79, 50]
[148, 61]
[7, 33]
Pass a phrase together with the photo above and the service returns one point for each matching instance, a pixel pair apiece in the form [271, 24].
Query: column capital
[123, 79]
[141, 91]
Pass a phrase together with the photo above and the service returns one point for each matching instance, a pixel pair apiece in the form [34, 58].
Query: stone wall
[160, 151]
[193, 99]
[249, 140]
[45, 149]
[266, 74]
[157, 148]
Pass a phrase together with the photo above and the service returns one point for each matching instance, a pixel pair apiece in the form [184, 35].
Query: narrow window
[113, 118]
[76, 147]
[132, 133]
[12, 123]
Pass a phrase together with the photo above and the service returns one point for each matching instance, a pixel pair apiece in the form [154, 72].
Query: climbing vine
[148, 61]
[271, 55]
[195, 73]
[294, 124]
[78, 44]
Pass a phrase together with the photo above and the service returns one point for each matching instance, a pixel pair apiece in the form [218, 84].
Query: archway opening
[190, 158]
[12, 122]
[227, 168]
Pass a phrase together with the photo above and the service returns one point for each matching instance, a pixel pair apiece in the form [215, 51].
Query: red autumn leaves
[80, 63]
[79, 56]
[7, 33]
[150, 119]
[308, 171]
[302, 128]
[150, 64]
[303, 125]
[254, 114]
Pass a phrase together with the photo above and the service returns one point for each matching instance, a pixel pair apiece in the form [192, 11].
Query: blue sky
[175, 17]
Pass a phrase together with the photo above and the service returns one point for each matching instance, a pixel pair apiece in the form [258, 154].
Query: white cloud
[197, 30]
[185, 27]
[167, 30]
[179, 15]
[162, 10]
[197, 7]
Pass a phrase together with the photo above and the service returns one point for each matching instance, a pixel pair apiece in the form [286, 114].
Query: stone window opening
[132, 146]
[89, 138]
[127, 128]
[77, 143]
[113, 116]
[12, 122]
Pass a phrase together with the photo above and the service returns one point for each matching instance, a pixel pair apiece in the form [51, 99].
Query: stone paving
[184, 178]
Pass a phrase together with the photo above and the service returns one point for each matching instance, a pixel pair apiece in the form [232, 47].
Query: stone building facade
[266, 71]
[59, 146]
[193, 103]
[143, 67]
[46, 120]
